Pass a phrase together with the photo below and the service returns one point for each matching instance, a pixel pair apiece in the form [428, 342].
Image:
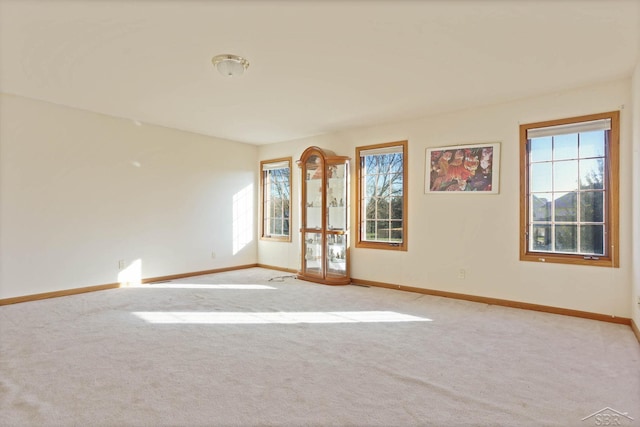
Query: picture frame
[463, 169]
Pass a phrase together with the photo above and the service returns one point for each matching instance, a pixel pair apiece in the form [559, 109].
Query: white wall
[82, 191]
[635, 294]
[479, 233]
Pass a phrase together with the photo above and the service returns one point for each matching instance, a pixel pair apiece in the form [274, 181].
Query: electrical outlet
[213, 255]
[638, 300]
[462, 273]
[121, 264]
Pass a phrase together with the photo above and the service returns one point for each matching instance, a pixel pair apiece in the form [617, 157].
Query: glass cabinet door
[336, 198]
[336, 254]
[314, 174]
[313, 253]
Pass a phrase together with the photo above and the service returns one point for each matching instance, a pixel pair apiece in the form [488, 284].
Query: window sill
[545, 257]
[275, 239]
[384, 246]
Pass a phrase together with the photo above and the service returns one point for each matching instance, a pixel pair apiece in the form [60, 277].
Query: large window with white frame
[569, 190]
[276, 199]
[381, 196]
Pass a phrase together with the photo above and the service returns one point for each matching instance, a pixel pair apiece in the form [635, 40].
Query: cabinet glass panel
[313, 191]
[336, 198]
[336, 254]
[313, 253]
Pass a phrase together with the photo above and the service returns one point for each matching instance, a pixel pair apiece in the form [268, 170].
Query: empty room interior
[359, 213]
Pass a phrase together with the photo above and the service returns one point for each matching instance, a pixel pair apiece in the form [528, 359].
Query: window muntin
[381, 196]
[569, 190]
[276, 199]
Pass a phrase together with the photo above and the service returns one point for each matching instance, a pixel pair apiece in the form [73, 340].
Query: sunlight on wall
[218, 318]
[242, 218]
[132, 275]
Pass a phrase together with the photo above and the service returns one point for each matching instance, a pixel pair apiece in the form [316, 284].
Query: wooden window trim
[360, 243]
[612, 258]
[289, 160]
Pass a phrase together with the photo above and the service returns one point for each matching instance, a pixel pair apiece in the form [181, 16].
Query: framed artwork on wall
[463, 169]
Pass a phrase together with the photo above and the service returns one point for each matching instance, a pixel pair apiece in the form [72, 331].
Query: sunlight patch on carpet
[203, 286]
[216, 318]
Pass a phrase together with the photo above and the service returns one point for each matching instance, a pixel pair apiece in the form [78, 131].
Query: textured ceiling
[316, 66]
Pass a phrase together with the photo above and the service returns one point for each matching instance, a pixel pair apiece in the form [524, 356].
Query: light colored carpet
[291, 353]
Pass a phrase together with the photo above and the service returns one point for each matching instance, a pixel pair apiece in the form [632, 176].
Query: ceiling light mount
[230, 65]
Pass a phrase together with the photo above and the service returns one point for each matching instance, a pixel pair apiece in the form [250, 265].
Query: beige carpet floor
[254, 348]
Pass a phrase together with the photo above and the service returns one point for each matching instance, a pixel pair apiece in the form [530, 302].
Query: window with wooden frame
[275, 182]
[569, 190]
[381, 196]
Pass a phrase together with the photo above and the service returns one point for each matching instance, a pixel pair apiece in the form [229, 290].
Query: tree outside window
[382, 204]
[276, 199]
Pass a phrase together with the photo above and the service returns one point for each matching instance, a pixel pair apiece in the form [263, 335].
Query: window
[276, 199]
[569, 190]
[381, 191]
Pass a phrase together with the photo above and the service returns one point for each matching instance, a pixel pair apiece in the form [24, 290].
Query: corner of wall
[635, 113]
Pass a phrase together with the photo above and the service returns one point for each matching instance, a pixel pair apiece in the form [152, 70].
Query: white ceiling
[316, 66]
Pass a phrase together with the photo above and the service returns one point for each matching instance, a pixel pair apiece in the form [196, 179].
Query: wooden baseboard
[635, 329]
[474, 298]
[273, 267]
[75, 291]
[197, 273]
[502, 302]
[56, 294]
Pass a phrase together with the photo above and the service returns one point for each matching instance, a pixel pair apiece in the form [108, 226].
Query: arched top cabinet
[325, 217]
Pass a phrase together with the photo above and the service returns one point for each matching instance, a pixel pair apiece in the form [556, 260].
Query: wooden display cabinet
[325, 217]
